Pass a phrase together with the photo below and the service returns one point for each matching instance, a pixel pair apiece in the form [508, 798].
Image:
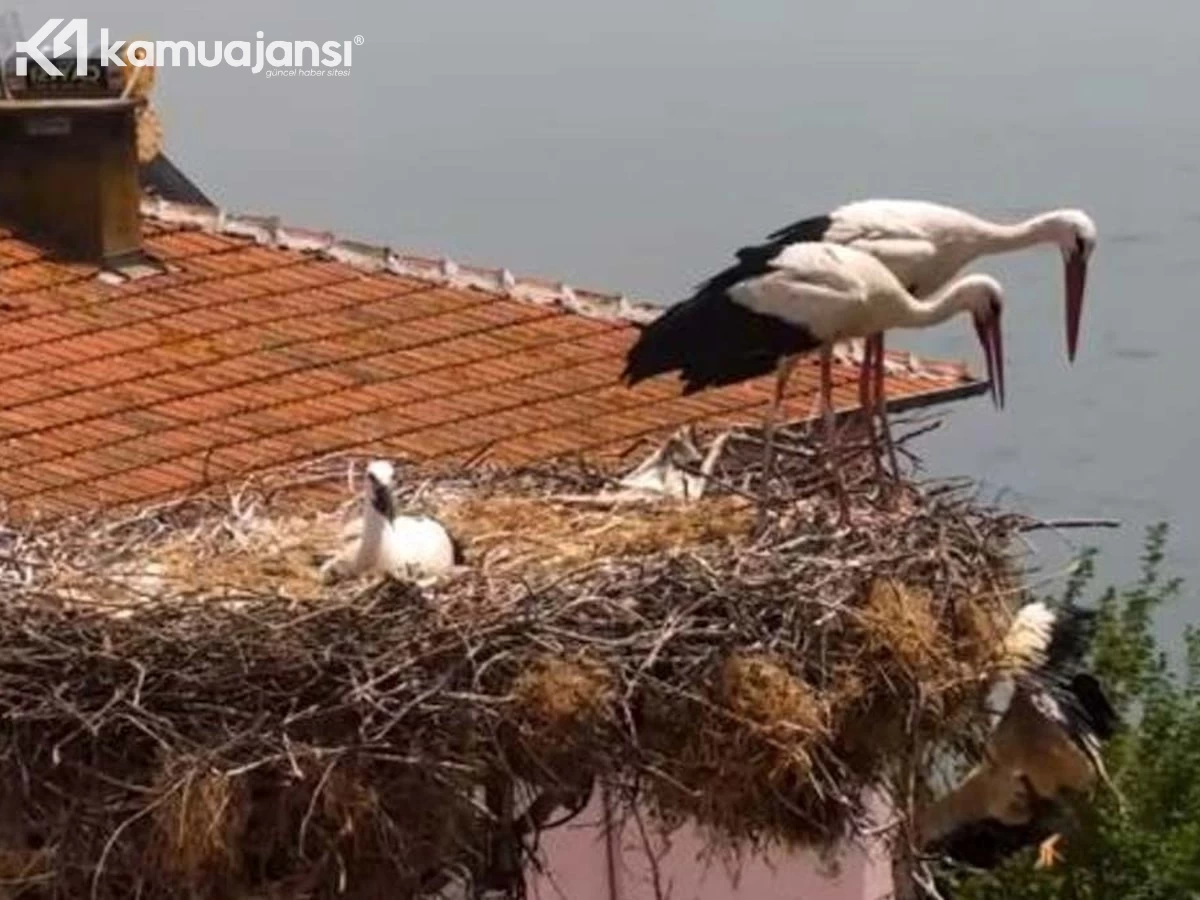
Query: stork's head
[1075, 233]
[377, 488]
[984, 296]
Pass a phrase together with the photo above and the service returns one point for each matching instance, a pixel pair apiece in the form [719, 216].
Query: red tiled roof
[261, 346]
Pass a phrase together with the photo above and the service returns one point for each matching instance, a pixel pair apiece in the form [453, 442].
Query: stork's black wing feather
[1071, 638]
[807, 230]
[988, 843]
[1094, 705]
[712, 341]
[752, 262]
[755, 259]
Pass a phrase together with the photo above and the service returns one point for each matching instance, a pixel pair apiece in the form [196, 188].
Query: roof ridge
[368, 257]
[269, 231]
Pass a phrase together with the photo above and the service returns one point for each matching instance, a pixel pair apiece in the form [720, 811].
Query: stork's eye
[1080, 245]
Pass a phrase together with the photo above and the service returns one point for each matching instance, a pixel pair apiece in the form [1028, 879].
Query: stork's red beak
[1076, 279]
[992, 341]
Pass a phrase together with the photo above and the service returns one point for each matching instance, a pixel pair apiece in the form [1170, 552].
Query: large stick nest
[189, 712]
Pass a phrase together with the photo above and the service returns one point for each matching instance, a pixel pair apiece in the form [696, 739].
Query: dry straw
[189, 712]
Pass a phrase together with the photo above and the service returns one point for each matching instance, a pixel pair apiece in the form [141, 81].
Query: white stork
[927, 244]
[1048, 741]
[390, 544]
[778, 303]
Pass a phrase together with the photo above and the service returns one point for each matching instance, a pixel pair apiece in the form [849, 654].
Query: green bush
[1152, 850]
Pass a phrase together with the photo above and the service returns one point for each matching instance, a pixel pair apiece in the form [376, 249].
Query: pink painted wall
[578, 866]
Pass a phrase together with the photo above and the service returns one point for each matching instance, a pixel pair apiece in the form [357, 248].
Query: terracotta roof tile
[245, 355]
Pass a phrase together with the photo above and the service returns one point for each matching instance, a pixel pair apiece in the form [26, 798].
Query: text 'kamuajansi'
[256, 56]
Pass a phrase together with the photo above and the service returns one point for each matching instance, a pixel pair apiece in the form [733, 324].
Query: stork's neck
[1041, 229]
[950, 301]
[374, 525]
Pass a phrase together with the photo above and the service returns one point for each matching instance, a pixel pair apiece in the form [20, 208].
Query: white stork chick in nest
[391, 544]
[1046, 743]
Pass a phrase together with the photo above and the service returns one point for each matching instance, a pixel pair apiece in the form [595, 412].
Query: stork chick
[391, 544]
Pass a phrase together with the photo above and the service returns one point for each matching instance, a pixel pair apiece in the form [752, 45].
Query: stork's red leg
[831, 431]
[827, 391]
[783, 371]
[866, 403]
[864, 380]
[881, 404]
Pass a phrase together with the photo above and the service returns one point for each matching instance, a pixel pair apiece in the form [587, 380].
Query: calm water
[632, 146]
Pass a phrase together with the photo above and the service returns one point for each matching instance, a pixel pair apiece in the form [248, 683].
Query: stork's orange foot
[1048, 855]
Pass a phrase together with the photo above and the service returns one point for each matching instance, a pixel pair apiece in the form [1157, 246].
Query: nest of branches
[188, 710]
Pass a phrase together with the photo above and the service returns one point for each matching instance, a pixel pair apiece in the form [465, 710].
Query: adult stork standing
[779, 303]
[927, 244]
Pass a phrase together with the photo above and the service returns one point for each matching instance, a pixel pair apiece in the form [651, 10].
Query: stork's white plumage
[777, 303]
[926, 244]
[391, 544]
[1028, 640]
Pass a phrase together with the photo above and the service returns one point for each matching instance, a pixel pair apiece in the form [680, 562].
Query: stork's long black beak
[992, 340]
[381, 498]
[1075, 276]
